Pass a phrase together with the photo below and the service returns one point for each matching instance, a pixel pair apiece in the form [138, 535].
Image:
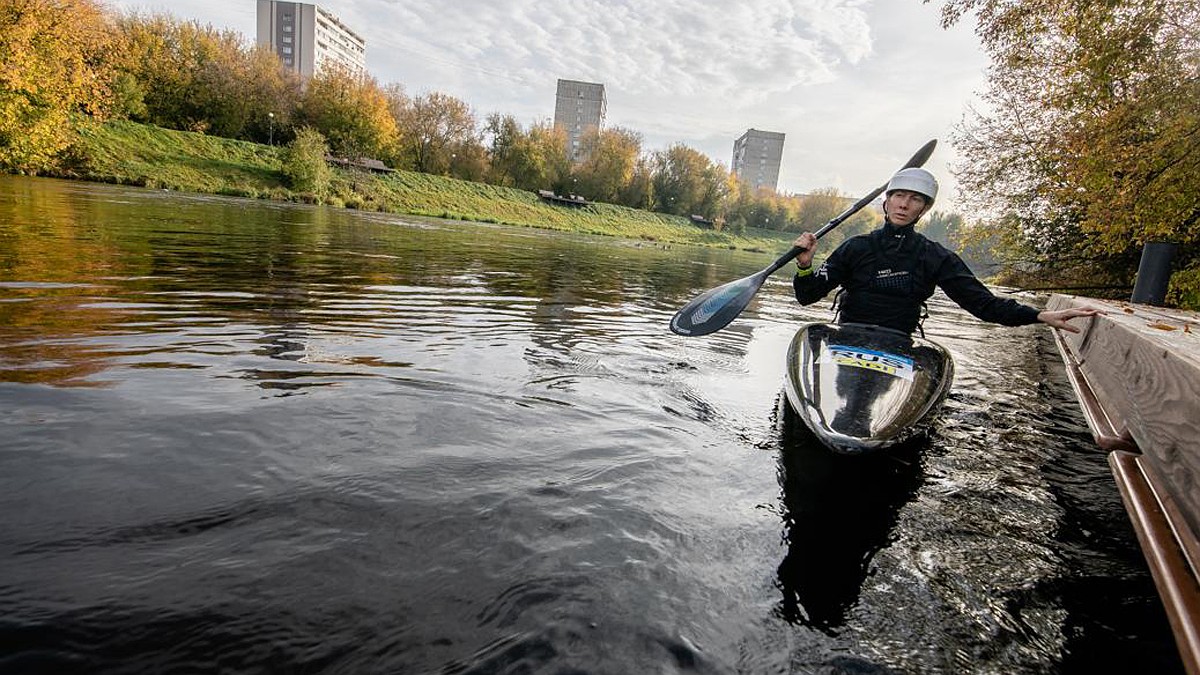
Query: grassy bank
[135, 154]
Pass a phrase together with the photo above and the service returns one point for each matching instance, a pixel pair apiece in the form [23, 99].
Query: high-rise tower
[307, 37]
[756, 158]
[579, 109]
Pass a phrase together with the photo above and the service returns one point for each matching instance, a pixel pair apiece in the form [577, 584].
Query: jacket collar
[890, 231]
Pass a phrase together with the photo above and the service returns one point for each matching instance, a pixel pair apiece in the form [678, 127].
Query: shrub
[1185, 289]
[304, 164]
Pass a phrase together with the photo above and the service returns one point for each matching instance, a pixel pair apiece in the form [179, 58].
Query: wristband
[803, 271]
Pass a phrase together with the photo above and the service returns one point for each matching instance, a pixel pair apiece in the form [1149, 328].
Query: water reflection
[862, 402]
[291, 277]
[839, 511]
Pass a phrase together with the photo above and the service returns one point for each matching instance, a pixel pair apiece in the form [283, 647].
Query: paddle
[713, 309]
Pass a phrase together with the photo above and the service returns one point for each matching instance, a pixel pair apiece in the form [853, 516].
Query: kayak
[860, 388]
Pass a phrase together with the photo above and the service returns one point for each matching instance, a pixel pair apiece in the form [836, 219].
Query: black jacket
[888, 274]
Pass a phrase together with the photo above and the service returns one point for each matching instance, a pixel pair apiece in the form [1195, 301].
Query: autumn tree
[177, 64]
[866, 220]
[469, 161]
[1089, 140]
[739, 206]
[817, 208]
[434, 128]
[548, 143]
[352, 111]
[638, 191]
[686, 182]
[533, 159]
[762, 208]
[219, 104]
[611, 157]
[148, 58]
[397, 101]
[716, 190]
[272, 96]
[181, 75]
[677, 175]
[53, 66]
[993, 248]
[505, 134]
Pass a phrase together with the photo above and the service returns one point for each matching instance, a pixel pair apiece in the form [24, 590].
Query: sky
[857, 86]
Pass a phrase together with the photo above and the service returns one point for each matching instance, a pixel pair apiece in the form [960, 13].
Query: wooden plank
[1143, 363]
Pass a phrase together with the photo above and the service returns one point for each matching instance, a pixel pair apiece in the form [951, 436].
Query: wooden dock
[1136, 372]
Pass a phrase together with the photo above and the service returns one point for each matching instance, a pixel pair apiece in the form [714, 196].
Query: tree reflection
[96, 279]
[839, 511]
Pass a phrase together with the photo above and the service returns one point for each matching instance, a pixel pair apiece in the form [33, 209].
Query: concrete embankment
[1136, 371]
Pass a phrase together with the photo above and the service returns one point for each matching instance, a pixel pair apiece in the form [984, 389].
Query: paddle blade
[714, 309]
[922, 155]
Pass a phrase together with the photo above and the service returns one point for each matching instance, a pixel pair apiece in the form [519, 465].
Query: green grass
[133, 154]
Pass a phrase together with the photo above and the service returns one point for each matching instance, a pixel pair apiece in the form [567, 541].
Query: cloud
[738, 52]
[675, 71]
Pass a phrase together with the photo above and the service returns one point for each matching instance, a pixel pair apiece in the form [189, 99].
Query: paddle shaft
[834, 222]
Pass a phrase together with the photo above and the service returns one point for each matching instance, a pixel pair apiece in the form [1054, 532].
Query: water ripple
[247, 437]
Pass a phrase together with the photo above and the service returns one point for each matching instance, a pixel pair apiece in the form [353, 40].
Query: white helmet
[915, 180]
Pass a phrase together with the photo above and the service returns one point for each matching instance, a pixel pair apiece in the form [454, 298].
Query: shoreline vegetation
[128, 153]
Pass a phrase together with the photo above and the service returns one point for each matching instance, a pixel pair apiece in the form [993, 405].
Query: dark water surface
[250, 437]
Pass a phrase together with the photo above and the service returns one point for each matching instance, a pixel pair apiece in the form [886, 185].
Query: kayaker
[887, 275]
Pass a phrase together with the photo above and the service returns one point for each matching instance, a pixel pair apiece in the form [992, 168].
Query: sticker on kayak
[857, 357]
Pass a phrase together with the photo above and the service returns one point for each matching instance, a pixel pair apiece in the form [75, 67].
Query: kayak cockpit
[859, 387]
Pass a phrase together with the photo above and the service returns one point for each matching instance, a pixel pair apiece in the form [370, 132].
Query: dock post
[1154, 273]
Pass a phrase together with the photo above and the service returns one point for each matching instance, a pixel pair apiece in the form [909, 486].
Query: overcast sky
[857, 85]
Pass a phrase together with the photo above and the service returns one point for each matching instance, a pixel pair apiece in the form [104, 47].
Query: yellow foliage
[52, 65]
[352, 111]
[1089, 136]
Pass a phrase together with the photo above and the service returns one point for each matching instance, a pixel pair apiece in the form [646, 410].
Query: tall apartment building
[307, 37]
[580, 108]
[756, 158]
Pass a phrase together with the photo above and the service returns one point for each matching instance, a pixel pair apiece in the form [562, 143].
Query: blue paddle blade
[714, 309]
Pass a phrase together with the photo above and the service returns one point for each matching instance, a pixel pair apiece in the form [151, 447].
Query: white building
[756, 158]
[307, 37]
[579, 109]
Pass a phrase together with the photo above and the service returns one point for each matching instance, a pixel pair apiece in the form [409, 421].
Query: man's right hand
[808, 242]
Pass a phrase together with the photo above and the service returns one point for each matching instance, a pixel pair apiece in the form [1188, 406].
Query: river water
[252, 437]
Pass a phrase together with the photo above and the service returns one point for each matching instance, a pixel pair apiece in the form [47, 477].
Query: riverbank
[126, 153]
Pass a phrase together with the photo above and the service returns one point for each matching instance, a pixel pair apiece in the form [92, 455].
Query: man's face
[904, 207]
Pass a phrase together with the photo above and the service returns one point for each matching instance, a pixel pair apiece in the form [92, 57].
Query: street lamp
[271, 128]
